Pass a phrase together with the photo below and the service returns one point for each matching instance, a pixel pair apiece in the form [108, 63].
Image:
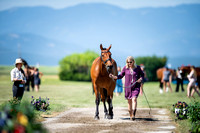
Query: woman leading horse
[102, 84]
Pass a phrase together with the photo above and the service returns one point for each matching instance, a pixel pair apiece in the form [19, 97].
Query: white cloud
[52, 45]
[14, 36]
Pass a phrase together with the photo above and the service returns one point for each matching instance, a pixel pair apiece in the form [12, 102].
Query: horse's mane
[25, 62]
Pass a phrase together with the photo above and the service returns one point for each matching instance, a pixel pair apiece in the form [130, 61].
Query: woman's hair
[193, 69]
[132, 59]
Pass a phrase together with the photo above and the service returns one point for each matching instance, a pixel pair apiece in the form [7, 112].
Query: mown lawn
[68, 94]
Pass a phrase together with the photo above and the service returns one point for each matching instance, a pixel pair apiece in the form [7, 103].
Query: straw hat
[17, 61]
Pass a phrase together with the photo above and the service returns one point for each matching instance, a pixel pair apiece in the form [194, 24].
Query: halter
[109, 59]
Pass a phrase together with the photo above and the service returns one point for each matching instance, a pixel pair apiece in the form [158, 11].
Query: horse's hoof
[109, 116]
[132, 119]
[96, 117]
[106, 117]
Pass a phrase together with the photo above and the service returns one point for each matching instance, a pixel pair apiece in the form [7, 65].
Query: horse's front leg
[103, 97]
[97, 101]
[109, 100]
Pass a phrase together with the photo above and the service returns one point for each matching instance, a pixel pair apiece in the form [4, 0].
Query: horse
[102, 84]
[186, 70]
[28, 70]
[159, 74]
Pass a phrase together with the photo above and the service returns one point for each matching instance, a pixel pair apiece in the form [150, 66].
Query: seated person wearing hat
[18, 77]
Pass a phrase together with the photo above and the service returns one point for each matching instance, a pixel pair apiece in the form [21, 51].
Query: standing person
[118, 89]
[145, 79]
[18, 77]
[192, 77]
[37, 75]
[179, 80]
[133, 74]
[166, 79]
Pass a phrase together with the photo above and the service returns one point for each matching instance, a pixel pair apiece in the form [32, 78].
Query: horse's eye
[102, 55]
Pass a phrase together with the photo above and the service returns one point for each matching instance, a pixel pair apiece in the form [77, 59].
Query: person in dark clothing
[179, 80]
[37, 75]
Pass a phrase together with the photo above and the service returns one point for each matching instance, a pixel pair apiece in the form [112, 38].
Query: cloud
[14, 36]
[51, 45]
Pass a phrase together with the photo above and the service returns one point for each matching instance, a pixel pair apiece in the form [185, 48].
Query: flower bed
[180, 109]
[41, 104]
[191, 112]
[19, 118]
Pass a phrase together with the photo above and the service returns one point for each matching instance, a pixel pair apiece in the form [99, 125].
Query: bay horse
[186, 70]
[102, 84]
[159, 74]
[28, 70]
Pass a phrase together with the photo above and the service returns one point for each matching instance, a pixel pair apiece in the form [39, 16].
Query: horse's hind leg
[97, 101]
[161, 87]
[109, 100]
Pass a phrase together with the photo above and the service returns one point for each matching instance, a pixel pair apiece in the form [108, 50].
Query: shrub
[194, 116]
[152, 64]
[76, 67]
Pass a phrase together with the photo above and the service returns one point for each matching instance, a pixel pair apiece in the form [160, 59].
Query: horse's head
[185, 70]
[106, 58]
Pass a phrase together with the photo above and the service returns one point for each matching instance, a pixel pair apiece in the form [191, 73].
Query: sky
[125, 4]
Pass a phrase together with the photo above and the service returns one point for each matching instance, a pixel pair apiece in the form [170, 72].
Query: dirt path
[82, 120]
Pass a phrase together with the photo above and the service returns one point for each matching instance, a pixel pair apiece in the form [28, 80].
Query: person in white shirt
[18, 77]
[192, 77]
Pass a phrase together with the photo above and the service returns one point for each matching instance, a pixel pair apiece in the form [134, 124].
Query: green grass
[49, 70]
[68, 94]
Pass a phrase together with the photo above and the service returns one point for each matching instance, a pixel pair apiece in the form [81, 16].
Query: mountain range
[44, 35]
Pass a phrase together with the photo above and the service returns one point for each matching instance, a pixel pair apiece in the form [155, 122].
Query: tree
[151, 65]
[76, 67]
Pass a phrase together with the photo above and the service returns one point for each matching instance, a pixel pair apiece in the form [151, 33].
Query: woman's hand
[23, 82]
[139, 80]
[112, 76]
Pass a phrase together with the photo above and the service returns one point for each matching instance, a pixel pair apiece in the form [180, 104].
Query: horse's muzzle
[109, 68]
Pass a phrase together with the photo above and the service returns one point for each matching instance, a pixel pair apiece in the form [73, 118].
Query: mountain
[46, 35]
[35, 48]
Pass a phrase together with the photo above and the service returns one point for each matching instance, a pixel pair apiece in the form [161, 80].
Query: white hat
[18, 61]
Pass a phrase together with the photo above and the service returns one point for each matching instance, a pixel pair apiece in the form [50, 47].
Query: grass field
[68, 94]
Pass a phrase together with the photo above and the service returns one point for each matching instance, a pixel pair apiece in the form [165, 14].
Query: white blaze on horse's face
[106, 57]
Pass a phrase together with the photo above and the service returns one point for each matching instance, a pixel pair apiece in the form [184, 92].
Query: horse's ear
[109, 47]
[101, 47]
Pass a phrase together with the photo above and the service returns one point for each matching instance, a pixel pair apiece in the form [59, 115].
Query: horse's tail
[92, 89]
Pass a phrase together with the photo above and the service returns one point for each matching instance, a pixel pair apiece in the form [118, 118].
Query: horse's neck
[102, 68]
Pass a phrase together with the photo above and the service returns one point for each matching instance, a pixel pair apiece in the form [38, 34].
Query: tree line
[76, 67]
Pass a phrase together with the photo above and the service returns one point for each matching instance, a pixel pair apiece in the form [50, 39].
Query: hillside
[45, 35]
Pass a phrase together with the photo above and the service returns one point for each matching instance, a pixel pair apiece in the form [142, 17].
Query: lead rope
[131, 86]
[147, 101]
[125, 86]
